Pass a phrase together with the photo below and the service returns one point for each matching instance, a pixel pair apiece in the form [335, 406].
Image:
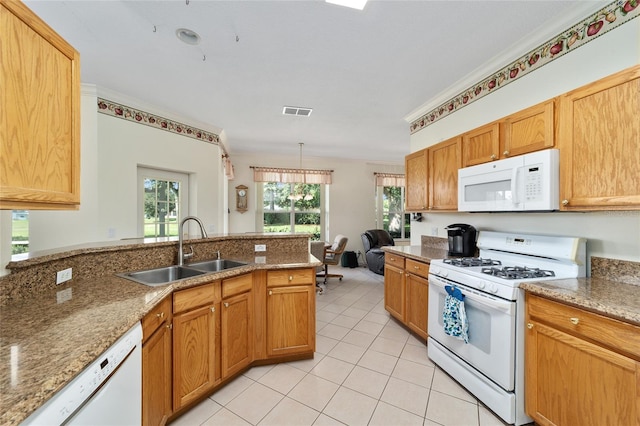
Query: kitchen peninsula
[50, 332]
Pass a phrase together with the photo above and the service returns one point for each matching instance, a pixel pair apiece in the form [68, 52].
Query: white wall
[111, 150]
[612, 234]
[351, 195]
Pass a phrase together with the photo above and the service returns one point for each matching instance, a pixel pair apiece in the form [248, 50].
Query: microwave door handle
[515, 195]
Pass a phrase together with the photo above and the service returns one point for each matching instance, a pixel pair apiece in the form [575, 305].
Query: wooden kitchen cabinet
[406, 292]
[417, 292]
[529, 130]
[580, 367]
[156, 364]
[532, 129]
[394, 285]
[196, 337]
[599, 142]
[291, 297]
[236, 324]
[481, 145]
[445, 159]
[40, 120]
[416, 181]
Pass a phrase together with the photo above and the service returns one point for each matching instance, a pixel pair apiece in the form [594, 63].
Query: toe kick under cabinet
[406, 291]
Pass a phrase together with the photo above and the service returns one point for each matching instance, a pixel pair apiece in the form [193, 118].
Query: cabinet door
[445, 159]
[290, 325]
[237, 333]
[156, 377]
[529, 130]
[481, 145]
[394, 291]
[417, 304]
[194, 354]
[40, 120]
[416, 181]
[570, 381]
[599, 142]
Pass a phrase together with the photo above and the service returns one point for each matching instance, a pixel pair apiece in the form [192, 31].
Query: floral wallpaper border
[121, 111]
[606, 19]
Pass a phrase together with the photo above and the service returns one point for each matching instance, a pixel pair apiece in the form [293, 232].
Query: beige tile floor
[367, 370]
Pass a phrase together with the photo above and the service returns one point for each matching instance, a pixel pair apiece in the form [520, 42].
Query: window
[19, 233]
[390, 213]
[292, 207]
[163, 201]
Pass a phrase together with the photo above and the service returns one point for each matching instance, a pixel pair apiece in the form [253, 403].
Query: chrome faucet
[181, 254]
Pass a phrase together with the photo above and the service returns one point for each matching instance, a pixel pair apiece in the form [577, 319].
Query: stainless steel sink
[169, 274]
[161, 276]
[215, 265]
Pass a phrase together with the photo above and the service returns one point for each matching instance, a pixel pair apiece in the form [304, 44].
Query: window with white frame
[293, 200]
[390, 197]
[163, 200]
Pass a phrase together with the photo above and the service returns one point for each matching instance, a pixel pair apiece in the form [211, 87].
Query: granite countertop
[607, 297]
[48, 339]
[419, 253]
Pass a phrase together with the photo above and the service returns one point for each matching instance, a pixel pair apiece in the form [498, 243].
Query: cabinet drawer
[237, 285]
[155, 318]
[617, 335]
[394, 259]
[290, 277]
[417, 268]
[184, 300]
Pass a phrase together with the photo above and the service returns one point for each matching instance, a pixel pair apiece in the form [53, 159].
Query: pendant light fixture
[297, 196]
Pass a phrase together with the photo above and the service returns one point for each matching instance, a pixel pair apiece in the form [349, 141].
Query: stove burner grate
[467, 262]
[518, 272]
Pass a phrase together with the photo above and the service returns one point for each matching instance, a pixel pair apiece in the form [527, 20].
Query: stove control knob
[493, 289]
[482, 285]
[435, 271]
[444, 273]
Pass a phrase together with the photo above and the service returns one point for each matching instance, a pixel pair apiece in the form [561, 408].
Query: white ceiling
[362, 72]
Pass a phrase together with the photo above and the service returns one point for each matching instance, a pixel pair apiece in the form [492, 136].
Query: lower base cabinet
[237, 333]
[406, 292]
[580, 368]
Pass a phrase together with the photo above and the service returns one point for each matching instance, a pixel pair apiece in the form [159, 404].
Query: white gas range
[490, 364]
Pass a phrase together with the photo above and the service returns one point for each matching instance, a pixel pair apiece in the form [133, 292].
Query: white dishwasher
[107, 392]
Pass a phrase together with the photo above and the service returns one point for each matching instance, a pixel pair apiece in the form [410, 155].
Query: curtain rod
[289, 168]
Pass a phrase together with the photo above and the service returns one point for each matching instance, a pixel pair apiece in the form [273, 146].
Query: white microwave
[527, 182]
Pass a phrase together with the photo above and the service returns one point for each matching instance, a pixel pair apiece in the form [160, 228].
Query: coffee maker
[462, 240]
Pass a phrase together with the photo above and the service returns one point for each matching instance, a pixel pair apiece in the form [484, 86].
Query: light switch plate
[261, 247]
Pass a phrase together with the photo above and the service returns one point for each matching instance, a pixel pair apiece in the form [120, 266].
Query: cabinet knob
[170, 326]
[493, 156]
[416, 267]
[213, 309]
[160, 315]
[270, 292]
[290, 277]
[565, 202]
[226, 304]
[574, 320]
[529, 325]
[506, 153]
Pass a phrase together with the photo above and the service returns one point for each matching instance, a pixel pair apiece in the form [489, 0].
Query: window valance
[389, 179]
[275, 174]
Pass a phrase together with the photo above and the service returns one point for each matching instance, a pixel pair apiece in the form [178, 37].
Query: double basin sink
[169, 274]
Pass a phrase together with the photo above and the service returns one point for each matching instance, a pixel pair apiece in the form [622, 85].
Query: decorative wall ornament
[121, 111]
[608, 18]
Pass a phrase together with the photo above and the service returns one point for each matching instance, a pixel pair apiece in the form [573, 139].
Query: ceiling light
[188, 36]
[354, 4]
[297, 195]
[303, 112]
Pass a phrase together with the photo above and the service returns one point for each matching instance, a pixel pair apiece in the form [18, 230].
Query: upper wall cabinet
[416, 180]
[529, 130]
[599, 142]
[39, 114]
[445, 159]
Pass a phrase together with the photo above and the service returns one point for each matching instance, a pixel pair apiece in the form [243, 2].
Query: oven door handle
[486, 300]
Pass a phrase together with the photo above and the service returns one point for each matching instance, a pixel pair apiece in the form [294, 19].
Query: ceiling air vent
[303, 112]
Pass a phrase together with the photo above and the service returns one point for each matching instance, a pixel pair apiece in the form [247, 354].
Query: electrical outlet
[261, 247]
[64, 295]
[64, 275]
